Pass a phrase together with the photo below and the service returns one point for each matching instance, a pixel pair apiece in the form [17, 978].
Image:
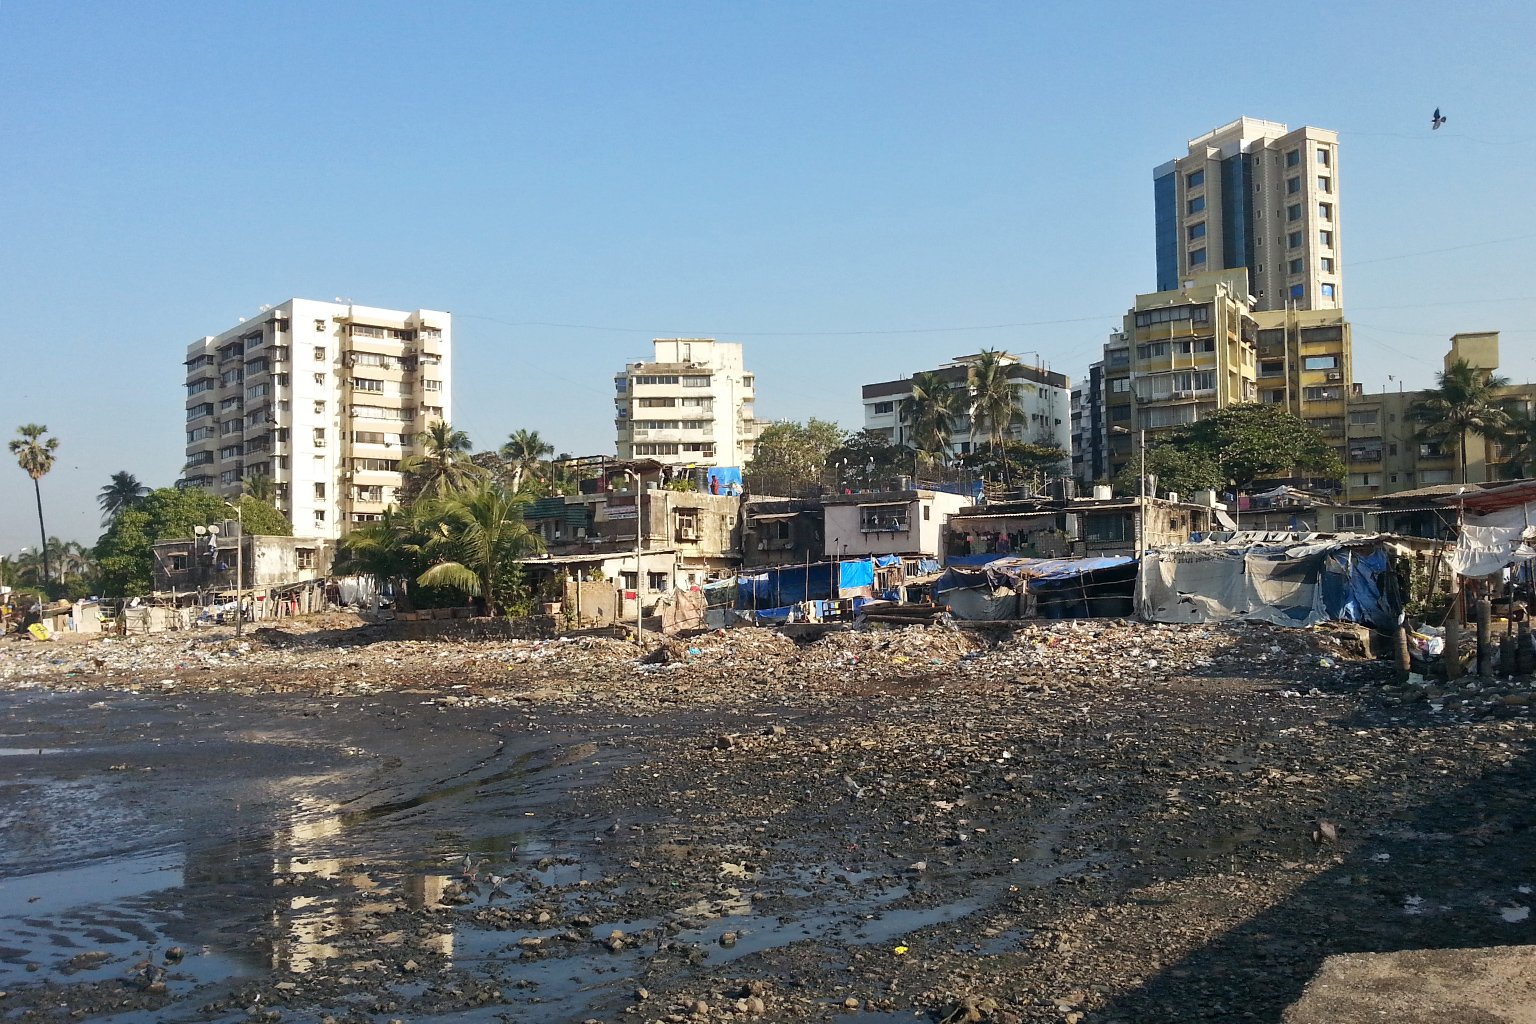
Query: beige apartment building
[324, 398]
[1188, 352]
[1386, 453]
[1253, 194]
[691, 405]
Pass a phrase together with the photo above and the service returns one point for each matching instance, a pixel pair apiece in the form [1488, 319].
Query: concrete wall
[926, 515]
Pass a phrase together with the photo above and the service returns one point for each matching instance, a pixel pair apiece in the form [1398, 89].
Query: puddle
[27, 751]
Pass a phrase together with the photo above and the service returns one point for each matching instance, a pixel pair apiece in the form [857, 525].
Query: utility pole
[239, 568]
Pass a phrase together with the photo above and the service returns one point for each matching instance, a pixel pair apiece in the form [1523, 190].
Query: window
[319, 517]
[687, 524]
[1152, 350]
[319, 407]
[1365, 418]
[1327, 291]
[1294, 267]
[1298, 291]
[368, 384]
[1272, 368]
[1324, 183]
[1365, 479]
[883, 518]
[1322, 156]
[305, 557]
[1197, 257]
[1293, 158]
[1325, 211]
[1320, 363]
[1325, 239]
[373, 494]
[1194, 345]
[1102, 529]
[928, 509]
[431, 385]
[1293, 240]
[320, 353]
[1197, 231]
[1195, 205]
[696, 382]
[1120, 385]
[1435, 476]
[376, 465]
[656, 581]
[320, 492]
[1292, 186]
[883, 408]
[1327, 264]
[1171, 314]
[1194, 180]
[1348, 521]
[319, 437]
[1293, 212]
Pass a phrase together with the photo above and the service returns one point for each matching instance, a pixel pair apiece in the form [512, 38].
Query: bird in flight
[1436, 120]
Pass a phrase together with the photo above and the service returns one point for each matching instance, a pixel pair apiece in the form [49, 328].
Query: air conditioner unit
[1335, 376]
[687, 533]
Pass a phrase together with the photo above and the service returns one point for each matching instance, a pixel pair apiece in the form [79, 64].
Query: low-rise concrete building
[1042, 528]
[204, 563]
[907, 523]
[782, 531]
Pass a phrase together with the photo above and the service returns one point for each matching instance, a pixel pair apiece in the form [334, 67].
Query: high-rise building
[1090, 437]
[1044, 406]
[321, 398]
[1253, 194]
[692, 405]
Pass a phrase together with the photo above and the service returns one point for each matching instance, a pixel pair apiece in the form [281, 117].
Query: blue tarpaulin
[852, 575]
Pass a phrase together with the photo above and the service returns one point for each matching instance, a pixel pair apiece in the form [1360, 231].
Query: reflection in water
[311, 927]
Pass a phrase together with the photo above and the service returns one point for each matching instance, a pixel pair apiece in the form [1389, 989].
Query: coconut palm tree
[122, 494]
[392, 549]
[994, 403]
[525, 452]
[34, 453]
[260, 486]
[482, 537]
[443, 464]
[1520, 435]
[928, 414]
[1464, 401]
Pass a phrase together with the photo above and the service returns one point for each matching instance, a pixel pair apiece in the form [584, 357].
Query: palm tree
[1464, 401]
[482, 536]
[122, 494]
[1520, 435]
[928, 413]
[994, 403]
[34, 453]
[260, 486]
[391, 549]
[443, 464]
[525, 452]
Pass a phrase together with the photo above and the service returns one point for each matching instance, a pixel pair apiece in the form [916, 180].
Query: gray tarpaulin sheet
[1259, 583]
[1285, 584]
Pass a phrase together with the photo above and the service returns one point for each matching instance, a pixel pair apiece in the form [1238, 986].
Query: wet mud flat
[1010, 830]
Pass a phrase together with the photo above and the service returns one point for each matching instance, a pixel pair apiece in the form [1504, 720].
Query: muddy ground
[1080, 822]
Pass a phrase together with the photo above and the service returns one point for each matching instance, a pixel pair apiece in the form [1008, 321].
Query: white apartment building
[1044, 402]
[1254, 194]
[692, 405]
[322, 397]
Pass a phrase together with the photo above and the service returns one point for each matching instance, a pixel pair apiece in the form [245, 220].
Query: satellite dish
[213, 530]
[199, 530]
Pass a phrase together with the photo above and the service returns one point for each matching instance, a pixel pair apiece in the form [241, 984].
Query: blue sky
[854, 190]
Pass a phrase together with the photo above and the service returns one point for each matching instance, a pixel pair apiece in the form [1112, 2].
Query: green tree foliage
[525, 452]
[125, 553]
[34, 453]
[1464, 401]
[478, 536]
[1520, 433]
[123, 493]
[791, 458]
[443, 464]
[994, 402]
[929, 413]
[1176, 467]
[1238, 444]
[1025, 460]
[868, 459]
[260, 486]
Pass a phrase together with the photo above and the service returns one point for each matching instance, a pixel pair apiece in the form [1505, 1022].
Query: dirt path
[1089, 822]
